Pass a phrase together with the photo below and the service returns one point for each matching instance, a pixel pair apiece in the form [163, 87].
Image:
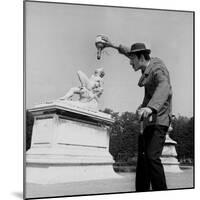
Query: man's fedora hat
[139, 47]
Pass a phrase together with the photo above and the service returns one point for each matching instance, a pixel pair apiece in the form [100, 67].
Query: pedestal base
[171, 164]
[65, 173]
[168, 158]
[69, 145]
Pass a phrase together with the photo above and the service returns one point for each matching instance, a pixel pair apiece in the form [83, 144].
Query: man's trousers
[149, 167]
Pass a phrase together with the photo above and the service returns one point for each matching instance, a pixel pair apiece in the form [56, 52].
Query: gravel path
[124, 184]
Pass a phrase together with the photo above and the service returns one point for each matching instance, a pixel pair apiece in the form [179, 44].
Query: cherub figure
[90, 88]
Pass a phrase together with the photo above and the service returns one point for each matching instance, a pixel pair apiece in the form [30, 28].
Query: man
[154, 112]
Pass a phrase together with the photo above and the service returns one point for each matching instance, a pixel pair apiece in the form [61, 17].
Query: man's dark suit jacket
[158, 90]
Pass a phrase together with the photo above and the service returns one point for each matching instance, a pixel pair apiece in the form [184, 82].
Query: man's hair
[144, 53]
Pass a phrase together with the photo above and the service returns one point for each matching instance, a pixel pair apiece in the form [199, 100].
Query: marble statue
[70, 138]
[90, 88]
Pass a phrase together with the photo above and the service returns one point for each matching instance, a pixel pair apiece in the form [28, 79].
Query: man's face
[135, 62]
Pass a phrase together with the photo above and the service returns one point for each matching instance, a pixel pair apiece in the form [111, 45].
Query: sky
[60, 40]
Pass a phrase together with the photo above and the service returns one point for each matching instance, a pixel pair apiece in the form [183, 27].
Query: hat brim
[139, 50]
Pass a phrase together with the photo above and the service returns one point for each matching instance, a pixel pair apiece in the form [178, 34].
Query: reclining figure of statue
[90, 88]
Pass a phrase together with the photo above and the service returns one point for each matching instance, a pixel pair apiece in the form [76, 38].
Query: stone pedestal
[169, 156]
[69, 144]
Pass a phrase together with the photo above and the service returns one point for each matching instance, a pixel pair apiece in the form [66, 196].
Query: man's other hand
[144, 113]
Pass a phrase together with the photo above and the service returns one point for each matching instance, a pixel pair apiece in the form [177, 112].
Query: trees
[183, 134]
[125, 131]
[124, 135]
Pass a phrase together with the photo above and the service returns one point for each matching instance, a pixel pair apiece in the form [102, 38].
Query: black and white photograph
[108, 99]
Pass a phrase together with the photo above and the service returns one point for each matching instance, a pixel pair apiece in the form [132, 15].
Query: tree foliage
[125, 131]
[124, 135]
[183, 134]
